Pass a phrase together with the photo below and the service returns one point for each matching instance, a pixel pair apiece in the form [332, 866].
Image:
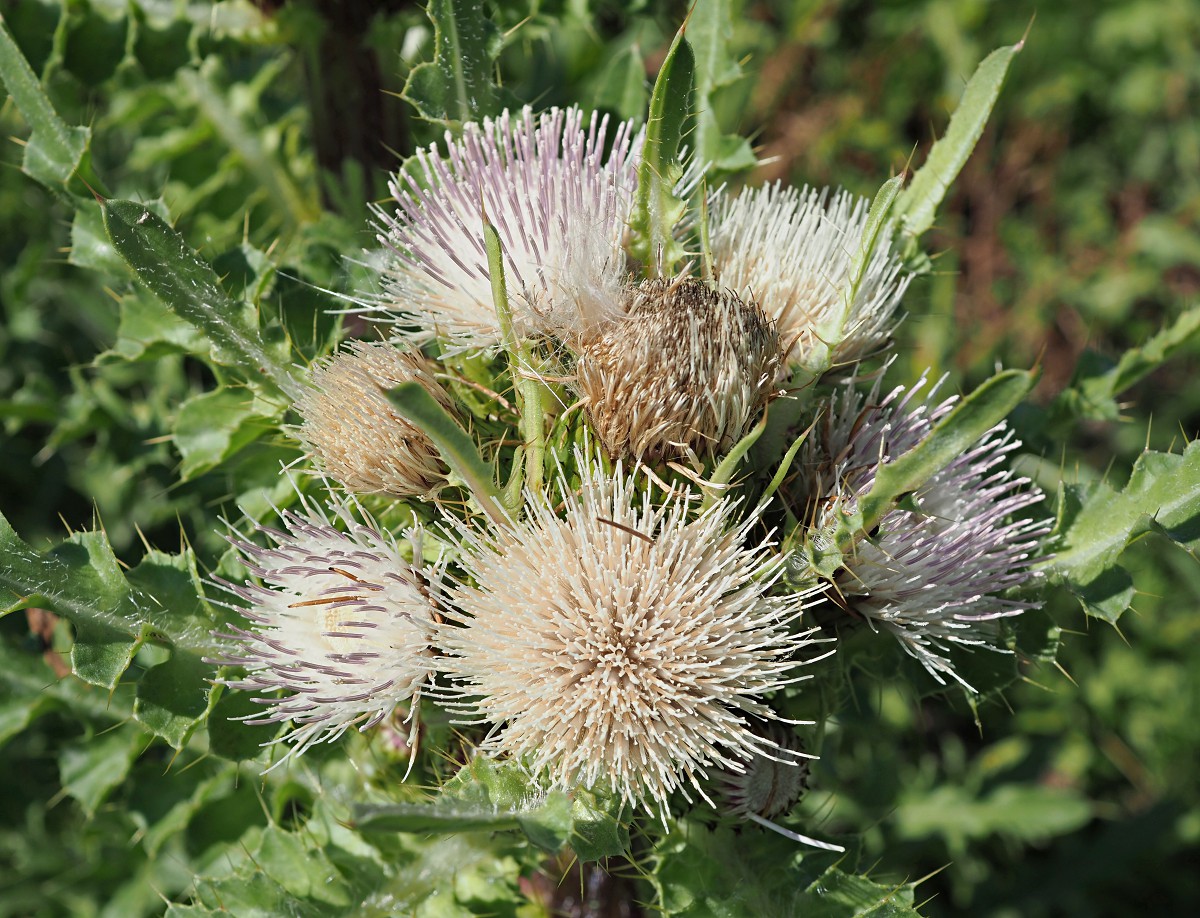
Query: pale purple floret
[935, 577]
[559, 205]
[340, 628]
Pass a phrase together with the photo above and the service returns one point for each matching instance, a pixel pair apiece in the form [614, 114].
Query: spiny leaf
[56, 152]
[918, 204]
[486, 796]
[708, 29]
[457, 85]
[1097, 384]
[700, 873]
[656, 209]
[213, 426]
[93, 767]
[162, 260]
[964, 426]
[81, 580]
[1097, 522]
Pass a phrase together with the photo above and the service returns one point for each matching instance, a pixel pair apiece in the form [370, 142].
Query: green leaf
[171, 698]
[300, 868]
[487, 796]
[656, 209]
[29, 689]
[82, 580]
[55, 152]
[709, 25]
[90, 246]
[178, 611]
[215, 425]
[101, 654]
[149, 330]
[162, 828]
[1097, 522]
[918, 204]
[1097, 384]
[458, 450]
[878, 217]
[830, 335]
[597, 829]
[962, 428]
[702, 873]
[1029, 813]
[96, 765]
[482, 796]
[185, 283]
[457, 85]
[231, 737]
[621, 86]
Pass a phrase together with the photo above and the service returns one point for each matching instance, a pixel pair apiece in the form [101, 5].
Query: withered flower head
[355, 434]
[687, 370]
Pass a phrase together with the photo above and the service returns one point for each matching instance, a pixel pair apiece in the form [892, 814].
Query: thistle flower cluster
[615, 630]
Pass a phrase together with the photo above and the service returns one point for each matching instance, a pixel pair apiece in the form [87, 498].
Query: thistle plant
[589, 531]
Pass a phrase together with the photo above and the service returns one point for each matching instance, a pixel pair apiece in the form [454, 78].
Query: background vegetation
[1073, 234]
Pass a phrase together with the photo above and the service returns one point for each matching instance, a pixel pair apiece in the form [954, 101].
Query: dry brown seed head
[687, 369]
[353, 431]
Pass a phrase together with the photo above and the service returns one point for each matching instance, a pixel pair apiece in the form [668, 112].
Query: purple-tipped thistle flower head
[937, 576]
[560, 208]
[339, 626]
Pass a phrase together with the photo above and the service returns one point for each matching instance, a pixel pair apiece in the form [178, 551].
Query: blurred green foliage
[263, 132]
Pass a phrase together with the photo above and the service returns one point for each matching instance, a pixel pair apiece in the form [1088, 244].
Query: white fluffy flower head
[559, 207]
[623, 641]
[340, 624]
[793, 252]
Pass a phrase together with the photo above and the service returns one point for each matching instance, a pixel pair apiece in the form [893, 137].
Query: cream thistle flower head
[559, 207]
[793, 251]
[340, 624]
[355, 434]
[686, 370]
[623, 642]
[934, 577]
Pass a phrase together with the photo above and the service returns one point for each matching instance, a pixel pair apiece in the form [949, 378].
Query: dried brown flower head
[353, 431]
[686, 370]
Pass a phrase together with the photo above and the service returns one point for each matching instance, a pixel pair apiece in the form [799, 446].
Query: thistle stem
[527, 388]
